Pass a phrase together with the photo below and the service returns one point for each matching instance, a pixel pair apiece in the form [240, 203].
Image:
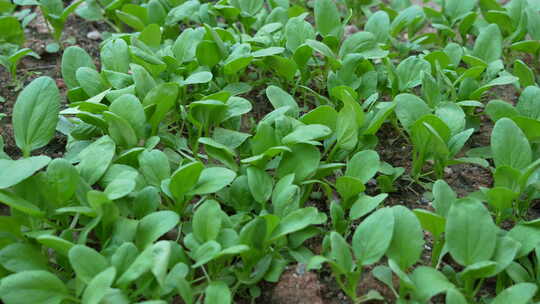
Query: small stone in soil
[94, 35]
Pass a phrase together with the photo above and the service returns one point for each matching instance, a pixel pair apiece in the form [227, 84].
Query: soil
[296, 285]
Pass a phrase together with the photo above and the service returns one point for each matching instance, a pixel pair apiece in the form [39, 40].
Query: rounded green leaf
[260, 184]
[373, 236]
[36, 286]
[509, 145]
[15, 171]
[217, 292]
[363, 165]
[185, 178]
[207, 221]
[471, 235]
[18, 257]
[213, 180]
[520, 293]
[94, 292]
[74, 58]
[154, 225]
[86, 262]
[35, 114]
[408, 239]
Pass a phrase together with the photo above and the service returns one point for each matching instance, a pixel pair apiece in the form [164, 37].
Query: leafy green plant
[215, 143]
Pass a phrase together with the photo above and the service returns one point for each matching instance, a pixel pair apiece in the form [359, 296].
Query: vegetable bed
[269, 151]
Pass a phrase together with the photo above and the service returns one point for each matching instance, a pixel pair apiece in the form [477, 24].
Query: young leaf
[35, 114]
[154, 225]
[408, 238]
[488, 45]
[86, 262]
[520, 293]
[471, 235]
[15, 171]
[94, 292]
[95, 159]
[207, 221]
[363, 165]
[213, 180]
[74, 58]
[19, 257]
[373, 236]
[509, 145]
[327, 18]
[260, 184]
[36, 286]
[217, 292]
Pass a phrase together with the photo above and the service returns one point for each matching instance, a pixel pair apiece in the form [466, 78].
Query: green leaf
[164, 97]
[15, 171]
[213, 180]
[529, 103]
[90, 80]
[154, 166]
[115, 56]
[363, 165]
[217, 292]
[364, 44]
[94, 292]
[488, 45]
[365, 204]
[524, 73]
[322, 115]
[19, 203]
[303, 161]
[207, 221]
[410, 71]
[279, 98]
[471, 235]
[63, 179]
[260, 184]
[130, 108]
[509, 145]
[95, 159]
[409, 109]
[379, 25]
[19, 257]
[36, 286]
[86, 262]
[35, 114]
[141, 265]
[307, 134]
[431, 222]
[185, 178]
[520, 293]
[74, 58]
[11, 30]
[372, 238]
[408, 238]
[298, 220]
[341, 252]
[429, 282]
[60, 245]
[154, 225]
[458, 8]
[327, 18]
[297, 31]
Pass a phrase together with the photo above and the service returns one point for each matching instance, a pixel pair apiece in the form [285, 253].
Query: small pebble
[94, 35]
